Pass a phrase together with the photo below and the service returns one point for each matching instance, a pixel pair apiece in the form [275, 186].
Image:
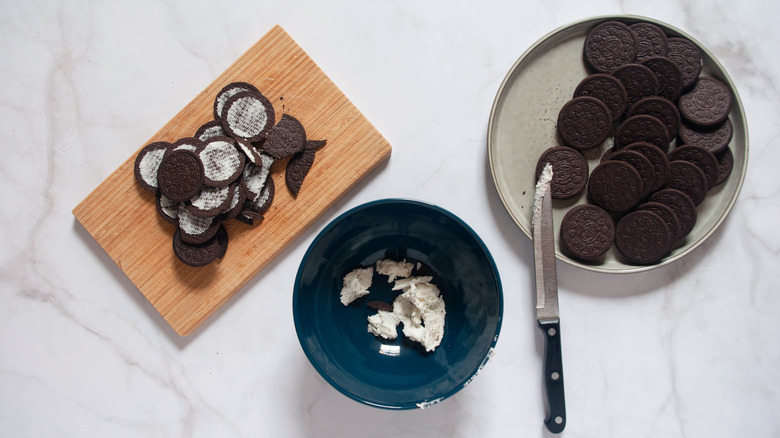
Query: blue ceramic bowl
[397, 374]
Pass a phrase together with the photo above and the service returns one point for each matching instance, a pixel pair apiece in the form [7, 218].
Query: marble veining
[687, 350]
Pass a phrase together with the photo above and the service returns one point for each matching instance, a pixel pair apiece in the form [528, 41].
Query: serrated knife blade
[547, 311]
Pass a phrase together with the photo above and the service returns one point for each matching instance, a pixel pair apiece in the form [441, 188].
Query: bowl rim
[415, 403]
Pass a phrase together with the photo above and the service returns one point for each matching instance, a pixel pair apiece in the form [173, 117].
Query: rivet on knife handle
[553, 376]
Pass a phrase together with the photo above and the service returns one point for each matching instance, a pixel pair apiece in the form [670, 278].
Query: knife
[547, 314]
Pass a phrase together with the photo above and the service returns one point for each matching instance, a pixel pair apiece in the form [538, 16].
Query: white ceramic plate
[522, 125]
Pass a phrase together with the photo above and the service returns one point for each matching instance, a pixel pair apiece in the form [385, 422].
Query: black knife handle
[553, 376]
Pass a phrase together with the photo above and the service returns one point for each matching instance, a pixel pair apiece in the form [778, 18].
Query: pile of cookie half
[223, 171]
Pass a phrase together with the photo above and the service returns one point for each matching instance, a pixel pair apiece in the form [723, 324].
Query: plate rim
[414, 404]
[500, 94]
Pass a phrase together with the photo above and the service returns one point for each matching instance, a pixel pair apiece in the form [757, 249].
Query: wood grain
[123, 220]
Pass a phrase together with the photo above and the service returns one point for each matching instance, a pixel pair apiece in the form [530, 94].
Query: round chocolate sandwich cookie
[196, 229]
[642, 128]
[608, 46]
[147, 164]
[699, 156]
[180, 175]
[222, 161]
[209, 130]
[197, 255]
[651, 41]
[708, 104]
[248, 115]
[642, 237]
[607, 89]
[689, 179]
[285, 139]
[614, 186]
[211, 201]
[714, 139]
[662, 109]
[682, 205]
[297, 168]
[584, 123]
[725, 165]
[642, 165]
[570, 171]
[226, 93]
[657, 158]
[687, 57]
[167, 209]
[638, 80]
[587, 231]
[668, 75]
[664, 212]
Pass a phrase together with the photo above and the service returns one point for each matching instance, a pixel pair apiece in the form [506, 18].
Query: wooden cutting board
[123, 219]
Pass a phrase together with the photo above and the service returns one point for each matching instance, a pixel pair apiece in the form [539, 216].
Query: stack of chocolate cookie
[223, 171]
[645, 93]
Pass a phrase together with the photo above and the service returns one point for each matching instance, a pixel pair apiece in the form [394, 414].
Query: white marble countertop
[687, 350]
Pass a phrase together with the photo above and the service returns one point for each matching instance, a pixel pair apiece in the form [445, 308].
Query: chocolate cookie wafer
[682, 205]
[211, 201]
[642, 128]
[285, 139]
[664, 212]
[699, 156]
[584, 123]
[687, 57]
[167, 209]
[222, 162]
[615, 186]
[651, 41]
[707, 104]
[297, 168]
[713, 139]
[607, 89]
[725, 165]
[587, 232]
[570, 171]
[197, 255]
[248, 115]
[209, 130]
[658, 159]
[608, 46]
[147, 164]
[689, 179]
[196, 229]
[668, 75]
[227, 92]
[662, 109]
[638, 80]
[180, 175]
[643, 237]
[642, 165]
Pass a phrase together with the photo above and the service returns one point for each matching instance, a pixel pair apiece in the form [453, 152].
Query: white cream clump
[383, 324]
[421, 310]
[394, 269]
[542, 185]
[356, 284]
